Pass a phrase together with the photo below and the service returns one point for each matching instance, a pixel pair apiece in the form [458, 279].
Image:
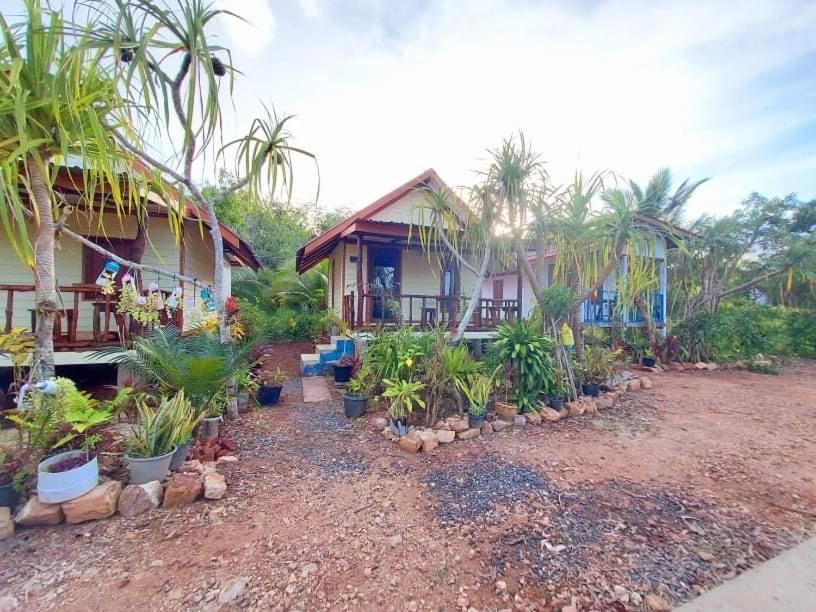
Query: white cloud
[254, 31]
[382, 94]
[312, 9]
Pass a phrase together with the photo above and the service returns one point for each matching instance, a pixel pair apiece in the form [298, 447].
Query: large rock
[6, 524]
[380, 423]
[591, 404]
[183, 488]
[633, 385]
[35, 513]
[410, 443]
[500, 425]
[549, 414]
[645, 382]
[519, 420]
[215, 485]
[98, 503]
[470, 434]
[445, 436]
[487, 428]
[606, 402]
[137, 499]
[458, 425]
[576, 408]
[429, 440]
[533, 417]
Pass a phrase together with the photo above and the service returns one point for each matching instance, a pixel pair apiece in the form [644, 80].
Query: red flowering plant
[231, 306]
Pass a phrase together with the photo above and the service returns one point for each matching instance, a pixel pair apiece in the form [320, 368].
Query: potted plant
[72, 473]
[12, 474]
[246, 386]
[477, 389]
[151, 443]
[186, 421]
[271, 384]
[559, 389]
[345, 368]
[648, 359]
[600, 364]
[403, 395]
[355, 399]
[213, 411]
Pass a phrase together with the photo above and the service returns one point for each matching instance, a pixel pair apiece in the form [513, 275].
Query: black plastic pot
[342, 373]
[9, 496]
[591, 389]
[475, 422]
[269, 396]
[649, 362]
[354, 405]
[556, 404]
[399, 426]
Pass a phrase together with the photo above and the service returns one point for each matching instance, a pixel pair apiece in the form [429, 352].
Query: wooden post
[72, 329]
[10, 309]
[360, 293]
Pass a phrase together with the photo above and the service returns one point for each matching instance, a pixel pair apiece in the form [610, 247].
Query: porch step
[326, 348]
[316, 364]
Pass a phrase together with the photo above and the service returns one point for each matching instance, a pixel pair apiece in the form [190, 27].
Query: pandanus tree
[57, 102]
[168, 64]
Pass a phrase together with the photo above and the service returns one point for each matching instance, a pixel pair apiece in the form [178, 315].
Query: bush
[742, 331]
[280, 324]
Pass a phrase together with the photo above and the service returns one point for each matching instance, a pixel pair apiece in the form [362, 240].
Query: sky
[383, 90]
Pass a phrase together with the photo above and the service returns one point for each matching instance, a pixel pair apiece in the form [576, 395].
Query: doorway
[384, 280]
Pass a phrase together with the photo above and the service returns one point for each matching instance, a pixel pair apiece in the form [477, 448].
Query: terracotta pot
[506, 411]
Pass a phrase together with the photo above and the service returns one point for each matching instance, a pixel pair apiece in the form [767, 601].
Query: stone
[548, 414]
[388, 434]
[395, 540]
[9, 603]
[576, 408]
[633, 385]
[445, 436]
[232, 591]
[657, 603]
[98, 503]
[606, 402]
[534, 418]
[215, 485]
[635, 598]
[499, 425]
[226, 459]
[712, 366]
[470, 434]
[410, 443]
[501, 586]
[308, 569]
[519, 420]
[645, 382]
[209, 467]
[138, 499]
[6, 524]
[429, 440]
[487, 428]
[591, 405]
[192, 467]
[458, 425]
[621, 594]
[35, 513]
[700, 365]
[183, 488]
[380, 423]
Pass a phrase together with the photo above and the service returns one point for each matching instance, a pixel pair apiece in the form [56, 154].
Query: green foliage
[404, 395]
[742, 331]
[362, 383]
[529, 352]
[398, 355]
[200, 363]
[43, 415]
[158, 430]
[600, 363]
[18, 343]
[556, 302]
[280, 324]
[477, 388]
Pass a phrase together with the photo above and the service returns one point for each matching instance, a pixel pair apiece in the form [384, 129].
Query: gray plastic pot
[210, 427]
[180, 455]
[148, 469]
[58, 487]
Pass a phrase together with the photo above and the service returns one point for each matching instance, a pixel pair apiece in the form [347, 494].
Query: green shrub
[280, 324]
[742, 331]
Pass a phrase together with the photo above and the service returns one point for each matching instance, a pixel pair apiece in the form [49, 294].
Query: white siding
[405, 210]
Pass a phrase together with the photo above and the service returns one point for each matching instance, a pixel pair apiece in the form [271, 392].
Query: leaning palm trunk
[475, 296]
[645, 309]
[220, 296]
[45, 291]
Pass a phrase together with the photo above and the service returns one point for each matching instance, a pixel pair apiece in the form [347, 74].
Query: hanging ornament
[106, 278]
[156, 296]
[207, 298]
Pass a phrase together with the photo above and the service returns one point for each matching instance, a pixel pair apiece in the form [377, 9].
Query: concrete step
[334, 339]
[310, 364]
[326, 348]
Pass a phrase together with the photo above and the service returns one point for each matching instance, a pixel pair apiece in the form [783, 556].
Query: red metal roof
[319, 247]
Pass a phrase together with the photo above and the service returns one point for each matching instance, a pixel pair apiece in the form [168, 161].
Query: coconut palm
[284, 287]
[657, 199]
[56, 100]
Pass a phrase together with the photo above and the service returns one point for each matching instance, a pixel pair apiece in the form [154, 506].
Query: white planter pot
[148, 469]
[55, 488]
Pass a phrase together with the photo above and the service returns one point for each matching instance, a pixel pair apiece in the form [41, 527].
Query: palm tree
[57, 100]
[658, 201]
[284, 287]
[171, 66]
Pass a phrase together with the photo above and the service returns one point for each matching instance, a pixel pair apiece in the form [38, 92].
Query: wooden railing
[85, 318]
[426, 311]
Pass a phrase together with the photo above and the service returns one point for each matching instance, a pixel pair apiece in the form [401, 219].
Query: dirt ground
[673, 491]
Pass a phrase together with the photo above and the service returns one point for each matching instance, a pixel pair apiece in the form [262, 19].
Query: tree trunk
[45, 290]
[646, 311]
[219, 290]
[475, 296]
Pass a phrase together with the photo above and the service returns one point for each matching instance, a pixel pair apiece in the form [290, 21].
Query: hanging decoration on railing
[207, 299]
[140, 308]
[174, 300]
[155, 296]
[107, 277]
